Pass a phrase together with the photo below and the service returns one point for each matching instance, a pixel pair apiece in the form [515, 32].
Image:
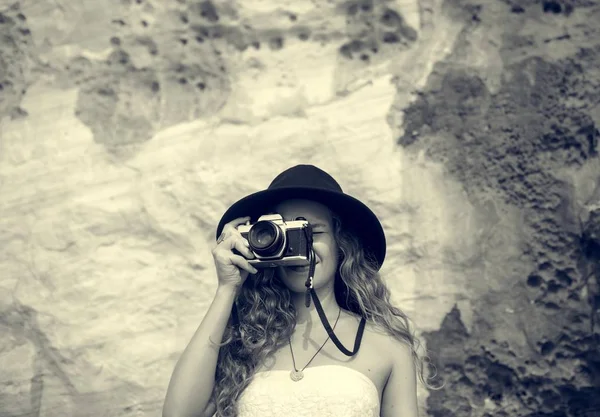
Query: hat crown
[306, 176]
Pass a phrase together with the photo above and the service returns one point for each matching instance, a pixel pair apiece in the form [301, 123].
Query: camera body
[275, 242]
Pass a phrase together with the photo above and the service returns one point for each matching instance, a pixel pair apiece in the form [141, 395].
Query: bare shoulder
[394, 348]
[379, 337]
[370, 326]
[400, 350]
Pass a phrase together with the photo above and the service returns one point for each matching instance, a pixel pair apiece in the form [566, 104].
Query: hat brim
[356, 216]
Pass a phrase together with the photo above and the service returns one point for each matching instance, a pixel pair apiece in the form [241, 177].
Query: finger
[237, 243]
[242, 247]
[222, 238]
[240, 262]
[232, 225]
[239, 246]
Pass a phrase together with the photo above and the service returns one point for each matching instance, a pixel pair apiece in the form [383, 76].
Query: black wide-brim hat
[312, 183]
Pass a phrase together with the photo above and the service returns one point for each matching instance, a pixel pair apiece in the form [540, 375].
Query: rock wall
[523, 139]
[127, 127]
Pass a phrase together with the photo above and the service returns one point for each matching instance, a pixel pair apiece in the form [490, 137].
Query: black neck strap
[336, 341]
[313, 294]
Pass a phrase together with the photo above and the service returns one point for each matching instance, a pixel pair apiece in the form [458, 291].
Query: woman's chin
[294, 279]
[297, 269]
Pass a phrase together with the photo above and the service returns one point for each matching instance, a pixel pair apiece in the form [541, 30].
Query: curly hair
[266, 319]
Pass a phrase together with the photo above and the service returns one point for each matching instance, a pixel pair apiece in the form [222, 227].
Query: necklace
[297, 375]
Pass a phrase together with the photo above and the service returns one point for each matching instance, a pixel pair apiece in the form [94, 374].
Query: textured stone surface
[127, 127]
[528, 141]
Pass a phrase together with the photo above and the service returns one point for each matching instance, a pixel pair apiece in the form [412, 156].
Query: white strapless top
[325, 391]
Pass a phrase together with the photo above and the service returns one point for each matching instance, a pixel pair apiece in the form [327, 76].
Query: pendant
[296, 375]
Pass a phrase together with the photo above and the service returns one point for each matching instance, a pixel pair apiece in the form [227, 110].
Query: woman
[274, 359]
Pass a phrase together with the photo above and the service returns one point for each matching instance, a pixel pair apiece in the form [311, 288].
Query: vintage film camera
[275, 242]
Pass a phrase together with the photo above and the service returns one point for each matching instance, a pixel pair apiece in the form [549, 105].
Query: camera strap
[310, 292]
[336, 341]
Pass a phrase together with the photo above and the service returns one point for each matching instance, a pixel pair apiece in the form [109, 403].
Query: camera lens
[265, 238]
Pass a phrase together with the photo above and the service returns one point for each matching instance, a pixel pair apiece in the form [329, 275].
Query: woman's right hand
[232, 268]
